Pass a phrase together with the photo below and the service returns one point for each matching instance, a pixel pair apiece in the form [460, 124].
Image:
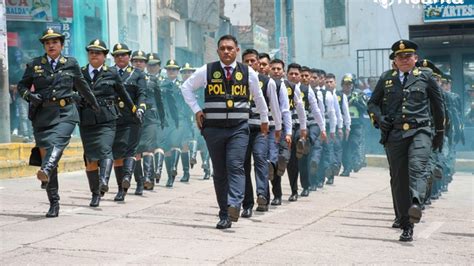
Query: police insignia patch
[50, 31]
[238, 76]
[97, 42]
[62, 60]
[121, 104]
[129, 69]
[425, 64]
[338, 98]
[402, 45]
[119, 46]
[43, 60]
[230, 104]
[260, 84]
[416, 72]
[216, 74]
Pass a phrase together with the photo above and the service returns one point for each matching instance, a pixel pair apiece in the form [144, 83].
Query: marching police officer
[154, 69]
[98, 130]
[127, 136]
[52, 109]
[258, 146]
[171, 89]
[223, 122]
[352, 147]
[401, 106]
[289, 97]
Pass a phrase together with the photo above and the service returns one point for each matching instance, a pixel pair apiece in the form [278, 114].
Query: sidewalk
[348, 222]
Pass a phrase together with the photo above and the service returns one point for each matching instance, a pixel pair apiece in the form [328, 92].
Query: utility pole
[4, 88]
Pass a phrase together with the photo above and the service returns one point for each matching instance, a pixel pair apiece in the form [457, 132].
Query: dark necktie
[228, 74]
[405, 78]
[96, 73]
[52, 64]
[121, 72]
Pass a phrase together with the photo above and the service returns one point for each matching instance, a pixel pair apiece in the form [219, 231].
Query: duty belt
[58, 102]
[411, 125]
[105, 102]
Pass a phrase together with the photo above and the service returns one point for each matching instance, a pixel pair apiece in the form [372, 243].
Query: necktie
[96, 72]
[53, 64]
[228, 74]
[121, 72]
[405, 77]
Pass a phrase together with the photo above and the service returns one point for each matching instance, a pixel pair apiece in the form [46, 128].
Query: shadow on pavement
[28, 217]
[378, 239]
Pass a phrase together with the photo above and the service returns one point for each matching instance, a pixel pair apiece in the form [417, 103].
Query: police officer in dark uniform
[153, 70]
[351, 148]
[171, 89]
[127, 136]
[52, 109]
[223, 122]
[148, 141]
[98, 130]
[400, 106]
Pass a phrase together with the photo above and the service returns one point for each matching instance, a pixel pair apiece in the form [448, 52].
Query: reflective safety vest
[254, 120]
[226, 102]
[304, 97]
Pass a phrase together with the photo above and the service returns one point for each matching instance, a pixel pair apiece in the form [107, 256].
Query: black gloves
[438, 140]
[35, 99]
[385, 124]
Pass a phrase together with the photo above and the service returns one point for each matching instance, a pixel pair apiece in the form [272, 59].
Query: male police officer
[400, 106]
[258, 143]
[223, 122]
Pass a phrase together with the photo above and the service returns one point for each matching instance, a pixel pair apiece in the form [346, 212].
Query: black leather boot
[159, 158]
[169, 162]
[105, 168]
[205, 164]
[94, 186]
[53, 196]
[51, 159]
[149, 172]
[192, 153]
[175, 154]
[138, 174]
[128, 169]
[119, 176]
[185, 163]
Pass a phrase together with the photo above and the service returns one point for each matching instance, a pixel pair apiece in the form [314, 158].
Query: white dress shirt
[57, 60]
[330, 111]
[285, 109]
[314, 109]
[274, 104]
[346, 117]
[91, 70]
[319, 96]
[199, 79]
[299, 107]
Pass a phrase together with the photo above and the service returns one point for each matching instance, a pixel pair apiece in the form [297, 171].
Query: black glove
[139, 115]
[385, 124]
[35, 99]
[438, 141]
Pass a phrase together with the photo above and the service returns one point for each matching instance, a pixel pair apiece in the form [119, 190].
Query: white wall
[368, 26]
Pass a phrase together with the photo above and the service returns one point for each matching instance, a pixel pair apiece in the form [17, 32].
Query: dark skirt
[97, 140]
[57, 135]
[127, 138]
[170, 138]
[148, 140]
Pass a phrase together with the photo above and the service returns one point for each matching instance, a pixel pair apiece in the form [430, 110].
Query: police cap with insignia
[187, 67]
[404, 46]
[120, 48]
[97, 45]
[153, 59]
[347, 78]
[171, 64]
[139, 55]
[51, 33]
[428, 64]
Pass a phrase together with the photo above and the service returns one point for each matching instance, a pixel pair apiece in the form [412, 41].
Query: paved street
[348, 222]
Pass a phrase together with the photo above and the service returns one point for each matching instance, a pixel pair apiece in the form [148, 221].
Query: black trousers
[408, 160]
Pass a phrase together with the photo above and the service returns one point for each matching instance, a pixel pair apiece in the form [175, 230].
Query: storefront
[79, 20]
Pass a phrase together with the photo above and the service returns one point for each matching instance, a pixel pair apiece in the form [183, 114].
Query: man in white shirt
[224, 122]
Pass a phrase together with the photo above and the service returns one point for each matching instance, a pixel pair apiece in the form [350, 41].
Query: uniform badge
[425, 64]
[50, 31]
[388, 83]
[150, 57]
[105, 68]
[140, 53]
[97, 42]
[406, 126]
[230, 104]
[119, 46]
[394, 73]
[402, 45]
[290, 92]
[38, 69]
[147, 78]
[62, 102]
[129, 69]
[62, 60]
[338, 98]
[121, 104]
[238, 76]
[43, 60]
[216, 74]
[260, 84]
[416, 72]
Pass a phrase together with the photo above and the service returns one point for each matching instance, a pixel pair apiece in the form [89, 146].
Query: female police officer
[52, 109]
[98, 130]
